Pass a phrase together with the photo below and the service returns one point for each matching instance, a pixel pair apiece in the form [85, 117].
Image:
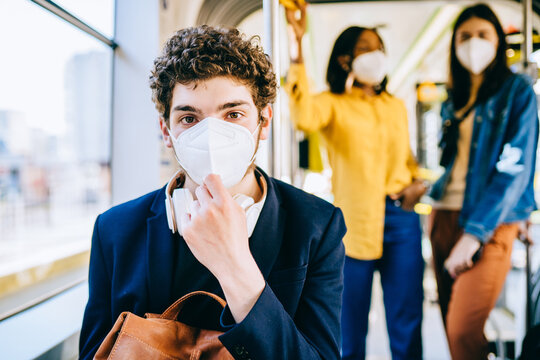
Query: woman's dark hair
[336, 76]
[494, 75]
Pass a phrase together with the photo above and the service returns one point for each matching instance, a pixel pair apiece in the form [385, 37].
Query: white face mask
[370, 68]
[215, 146]
[476, 54]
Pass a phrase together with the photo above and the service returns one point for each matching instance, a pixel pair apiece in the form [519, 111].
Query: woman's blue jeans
[401, 268]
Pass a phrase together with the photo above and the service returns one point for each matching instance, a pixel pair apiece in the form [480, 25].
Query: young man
[277, 259]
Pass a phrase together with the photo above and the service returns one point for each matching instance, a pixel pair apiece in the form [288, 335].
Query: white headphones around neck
[178, 202]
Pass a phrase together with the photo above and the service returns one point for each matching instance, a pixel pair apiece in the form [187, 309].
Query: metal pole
[271, 45]
[531, 69]
[527, 46]
[528, 311]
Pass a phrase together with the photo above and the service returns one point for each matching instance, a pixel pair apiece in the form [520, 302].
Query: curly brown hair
[200, 53]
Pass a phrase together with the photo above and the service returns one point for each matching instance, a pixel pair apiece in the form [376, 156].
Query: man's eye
[187, 120]
[234, 115]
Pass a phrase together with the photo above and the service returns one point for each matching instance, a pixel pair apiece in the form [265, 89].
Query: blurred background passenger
[490, 132]
[373, 180]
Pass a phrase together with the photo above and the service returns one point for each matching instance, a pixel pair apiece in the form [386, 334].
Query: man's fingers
[215, 187]
[195, 208]
[203, 195]
[184, 221]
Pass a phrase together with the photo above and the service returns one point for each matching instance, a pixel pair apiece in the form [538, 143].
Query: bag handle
[172, 311]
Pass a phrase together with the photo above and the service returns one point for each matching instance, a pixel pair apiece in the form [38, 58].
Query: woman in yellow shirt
[373, 181]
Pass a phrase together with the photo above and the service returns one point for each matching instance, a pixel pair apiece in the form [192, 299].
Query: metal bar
[267, 19]
[271, 45]
[75, 21]
[527, 47]
[431, 33]
[524, 236]
[41, 299]
[276, 128]
[528, 309]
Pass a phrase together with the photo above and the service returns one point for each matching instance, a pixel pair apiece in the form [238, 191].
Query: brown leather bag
[162, 336]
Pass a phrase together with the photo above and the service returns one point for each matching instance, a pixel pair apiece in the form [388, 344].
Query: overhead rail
[227, 12]
[434, 28]
[75, 21]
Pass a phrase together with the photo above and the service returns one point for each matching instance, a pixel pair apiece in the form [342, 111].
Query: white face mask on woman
[476, 54]
[215, 146]
[370, 68]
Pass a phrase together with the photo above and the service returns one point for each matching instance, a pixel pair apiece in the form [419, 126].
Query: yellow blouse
[367, 139]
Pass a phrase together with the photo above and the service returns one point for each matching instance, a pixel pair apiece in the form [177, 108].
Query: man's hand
[410, 195]
[216, 233]
[460, 259]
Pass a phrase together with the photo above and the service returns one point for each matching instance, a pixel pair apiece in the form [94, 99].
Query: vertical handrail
[527, 47]
[526, 50]
[528, 322]
[524, 235]
[271, 45]
[529, 67]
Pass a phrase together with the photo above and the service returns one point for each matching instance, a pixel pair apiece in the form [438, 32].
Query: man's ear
[266, 114]
[165, 132]
[344, 61]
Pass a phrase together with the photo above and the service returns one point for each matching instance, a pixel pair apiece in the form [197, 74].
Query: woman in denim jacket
[490, 133]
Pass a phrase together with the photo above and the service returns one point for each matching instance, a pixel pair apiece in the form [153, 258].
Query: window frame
[52, 287]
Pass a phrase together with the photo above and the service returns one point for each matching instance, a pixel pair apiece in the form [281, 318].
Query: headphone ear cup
[181, 203]
[252, 210]
[170, 216]
[243, 200]
[176, 180]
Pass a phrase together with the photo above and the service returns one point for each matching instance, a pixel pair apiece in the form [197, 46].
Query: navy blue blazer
[297, 244]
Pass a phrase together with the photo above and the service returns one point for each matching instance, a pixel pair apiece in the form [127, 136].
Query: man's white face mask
[370, 68]
[215, 146]
[476, 54]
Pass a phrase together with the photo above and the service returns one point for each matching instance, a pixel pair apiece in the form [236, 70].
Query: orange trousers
[467, 301]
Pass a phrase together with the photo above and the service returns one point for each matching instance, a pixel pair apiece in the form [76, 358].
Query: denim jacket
[499, 182]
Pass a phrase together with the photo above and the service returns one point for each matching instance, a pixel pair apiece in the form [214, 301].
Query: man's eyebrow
[232, 104]
[187, 108]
